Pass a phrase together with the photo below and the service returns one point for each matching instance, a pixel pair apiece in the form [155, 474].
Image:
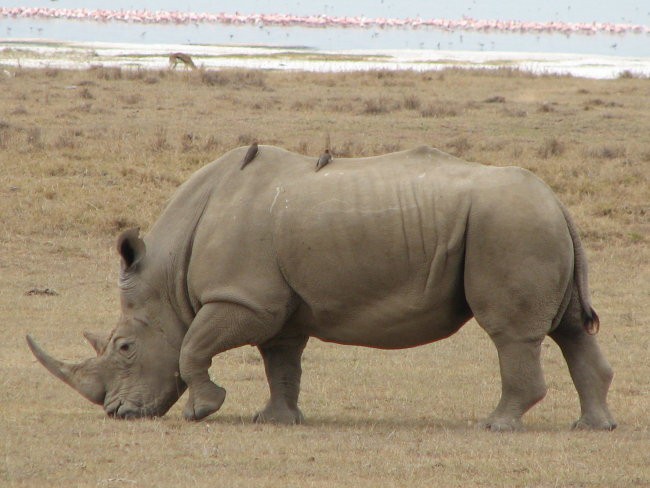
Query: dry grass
[79, 164]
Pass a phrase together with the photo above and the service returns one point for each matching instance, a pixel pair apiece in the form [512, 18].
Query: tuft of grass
[131, 98]
[245, 139]
[107, 73]
[379, 106]
[34, 138]
[606, 152]
[412, 102]
[187, 141]
[495, 99]
[546, 108]
[232, 78]
[159, 142]
[67, 140]
[551, 147]
[459, 146]
[212, 143]
[51, 72]
[86, 94]
[439, 110]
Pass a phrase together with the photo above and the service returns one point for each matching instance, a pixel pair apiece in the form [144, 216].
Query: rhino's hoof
[204, 402]
[585, 423]
[501, 425]
[284, 416]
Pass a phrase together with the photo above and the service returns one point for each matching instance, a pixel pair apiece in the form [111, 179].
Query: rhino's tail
[590, 321]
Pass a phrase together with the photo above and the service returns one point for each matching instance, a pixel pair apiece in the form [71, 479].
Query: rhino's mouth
[126, 410]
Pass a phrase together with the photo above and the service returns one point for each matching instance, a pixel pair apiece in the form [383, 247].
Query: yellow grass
[84, 154]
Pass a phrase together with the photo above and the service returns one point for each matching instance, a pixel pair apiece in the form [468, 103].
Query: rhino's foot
[503, 424]
[276, 415]
[594, 423]
[204, 401]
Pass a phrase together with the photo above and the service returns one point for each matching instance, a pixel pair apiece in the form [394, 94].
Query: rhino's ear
[131, 248]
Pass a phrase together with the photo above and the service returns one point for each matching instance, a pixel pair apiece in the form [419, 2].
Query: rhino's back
[374, 247]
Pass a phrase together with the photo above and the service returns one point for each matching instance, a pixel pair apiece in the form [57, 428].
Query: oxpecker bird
[250, 155]
[324, 160]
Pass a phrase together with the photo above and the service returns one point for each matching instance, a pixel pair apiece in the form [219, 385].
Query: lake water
[368, 39]
[621, 11]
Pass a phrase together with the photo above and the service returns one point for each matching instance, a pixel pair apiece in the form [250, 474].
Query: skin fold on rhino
[389, 252]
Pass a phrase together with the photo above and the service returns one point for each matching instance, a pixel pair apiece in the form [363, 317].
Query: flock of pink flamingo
[287, 20]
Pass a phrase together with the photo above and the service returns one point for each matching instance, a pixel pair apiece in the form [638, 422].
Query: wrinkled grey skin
[389, 252]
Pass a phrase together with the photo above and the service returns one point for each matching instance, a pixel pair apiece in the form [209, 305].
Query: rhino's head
[135, 372]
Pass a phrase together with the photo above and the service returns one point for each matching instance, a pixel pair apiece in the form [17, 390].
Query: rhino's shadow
[341, 421]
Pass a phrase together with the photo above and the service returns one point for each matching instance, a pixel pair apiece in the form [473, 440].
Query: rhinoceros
[388, 252]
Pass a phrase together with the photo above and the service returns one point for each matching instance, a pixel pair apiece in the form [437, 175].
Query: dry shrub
[135, 74]
[344, 150]
[300, 105]
[212, 143]
[245, 139]
[439, 110]
[107, 73]
[379, 105]
[34, 138]
[495, 99]
[187, 141]
[116, 225]
[159, 142]
[545, 108]
[412, 102]
[551, 147]
[5, 134]
[233, 78]
[84, 107]
[459, 146]
[606, 152]
[131, 99]
[66, 140]
[515, 112]
[302, 147]
[627, 74]
[86, 94]
[51, 72]
[598, 102]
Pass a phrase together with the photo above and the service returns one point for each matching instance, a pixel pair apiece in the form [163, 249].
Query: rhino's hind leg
[283, 371]
[591, 374]
[216, 328]
[522, 382]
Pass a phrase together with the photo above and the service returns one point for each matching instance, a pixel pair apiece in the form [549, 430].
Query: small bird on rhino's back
[250, 155]
[324, 160]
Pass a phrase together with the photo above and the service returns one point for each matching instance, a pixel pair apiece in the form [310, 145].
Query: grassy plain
[85, 154]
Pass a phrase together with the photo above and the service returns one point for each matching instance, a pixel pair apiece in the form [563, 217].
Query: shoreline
[44, 53]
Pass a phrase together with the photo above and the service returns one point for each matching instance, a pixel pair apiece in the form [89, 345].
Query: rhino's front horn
[82, 377]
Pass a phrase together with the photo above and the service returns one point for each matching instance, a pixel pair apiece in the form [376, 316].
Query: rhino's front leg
[282, 364]
[216, 328]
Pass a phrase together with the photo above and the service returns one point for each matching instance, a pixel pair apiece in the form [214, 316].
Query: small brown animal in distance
[176, 58]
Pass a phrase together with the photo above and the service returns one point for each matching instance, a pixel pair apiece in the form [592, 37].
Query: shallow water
[599, 55]
[622, 11]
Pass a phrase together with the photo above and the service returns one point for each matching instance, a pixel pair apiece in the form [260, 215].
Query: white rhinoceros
[390, 252]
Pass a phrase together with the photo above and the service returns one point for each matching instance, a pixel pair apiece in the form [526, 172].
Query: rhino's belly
[387, 324]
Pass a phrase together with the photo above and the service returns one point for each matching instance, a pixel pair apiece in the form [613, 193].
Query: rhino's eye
[126, 348]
